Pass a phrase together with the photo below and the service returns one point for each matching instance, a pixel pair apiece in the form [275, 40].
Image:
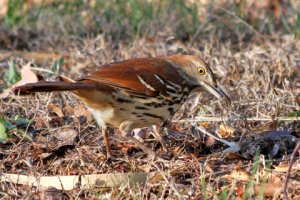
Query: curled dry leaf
[61, 138]
[140, 134]
[205, 124]
[55, 109]
[66, 137]
[28, 76]
[226, 131]
[238, 175]
[281, 168]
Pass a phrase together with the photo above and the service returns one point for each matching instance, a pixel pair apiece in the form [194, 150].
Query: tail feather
[52, 86]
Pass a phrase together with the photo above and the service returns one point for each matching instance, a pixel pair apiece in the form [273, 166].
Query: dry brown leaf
[208, 168]
[210, 141]
[126, 147]
[177, 127]
[239, 191]
[281, 168]
[205, 124]
[177, 150]
[157, 177]
[238, 175]
[56, 122]
[140, 134]
[55, 109]
[145, 168]
[39, 123]
[80, 110]
[63, 138]
[57, 140]
[270, 189]
[267, 126]
[69, 110]
[5, 94]
[28, 76]
[226, 131]
[297, 98]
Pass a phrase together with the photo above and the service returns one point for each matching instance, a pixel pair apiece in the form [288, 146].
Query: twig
[171, 184]
[51, 72]
[42, 70]
[289, 170]
[221, 119]
[231, 144]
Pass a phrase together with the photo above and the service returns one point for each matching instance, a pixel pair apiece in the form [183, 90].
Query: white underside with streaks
[130, 112]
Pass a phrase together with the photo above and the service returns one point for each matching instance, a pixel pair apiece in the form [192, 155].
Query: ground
[253, 49]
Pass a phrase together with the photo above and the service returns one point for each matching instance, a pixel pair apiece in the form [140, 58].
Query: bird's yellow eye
[201, 70]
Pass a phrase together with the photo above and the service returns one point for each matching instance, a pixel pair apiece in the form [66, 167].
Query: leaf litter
[270, 68]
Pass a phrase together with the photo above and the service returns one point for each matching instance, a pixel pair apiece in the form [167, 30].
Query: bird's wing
[143, 76]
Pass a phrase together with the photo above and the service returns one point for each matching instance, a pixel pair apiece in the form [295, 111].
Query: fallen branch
[83, 181]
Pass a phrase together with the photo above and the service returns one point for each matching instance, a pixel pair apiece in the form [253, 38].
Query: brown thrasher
[137, 92]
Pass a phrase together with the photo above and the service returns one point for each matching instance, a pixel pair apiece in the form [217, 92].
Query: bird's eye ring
[201, 70]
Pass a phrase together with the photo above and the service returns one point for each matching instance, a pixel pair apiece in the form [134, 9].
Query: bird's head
[199, 74]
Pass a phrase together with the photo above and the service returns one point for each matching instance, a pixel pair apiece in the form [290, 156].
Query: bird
[137, 92]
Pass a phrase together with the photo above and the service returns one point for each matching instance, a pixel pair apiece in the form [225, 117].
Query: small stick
[288, 173]
[221, 119]
[231, 144]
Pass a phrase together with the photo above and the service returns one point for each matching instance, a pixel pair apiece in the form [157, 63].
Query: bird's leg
[126, 130]
[104, 130]
[106, 141]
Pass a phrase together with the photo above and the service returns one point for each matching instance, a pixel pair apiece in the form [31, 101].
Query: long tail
[52, 86]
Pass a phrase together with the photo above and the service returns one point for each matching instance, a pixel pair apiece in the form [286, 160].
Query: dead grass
[258, 67]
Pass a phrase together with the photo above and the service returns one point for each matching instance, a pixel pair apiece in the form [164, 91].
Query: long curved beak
[217, 92]
[223, 95]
